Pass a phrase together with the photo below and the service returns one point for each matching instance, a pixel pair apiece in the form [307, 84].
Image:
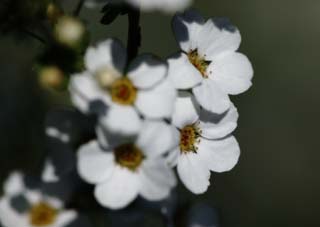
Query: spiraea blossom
[124, 171]
[208, 62]
[24, 207]
[142, 89]
[147, 5]
[205, 143]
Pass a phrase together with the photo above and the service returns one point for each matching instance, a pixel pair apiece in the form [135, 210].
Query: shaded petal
[186, 28]
[108, 54]
[193, 172]
[186, 110]
[121, 119]
[157, 179]
[157, 137]
[84, 89]
[119, 190]
[219, 155]
[211, 97]
[94, 165]
[212, 129]
[217, 36]
[182, 73]
[173, 156]
[233, 72]
[146, 71]
[157, 102]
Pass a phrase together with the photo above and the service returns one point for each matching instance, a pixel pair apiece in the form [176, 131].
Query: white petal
[48, 173]
[213, 129]
[94, 165]
[108, 54]
[119, 190]
[65, 218]
[182, 73]
[14, 184]
[214, 40]
[233, 72]
[53, 201]
[186, 110]
[157, 137]
[164, 5]
[157, 179]
[146, 71]
[211, 97]
[220, 155]
[193, 172]
[157, 102]
[9, 217]
[186, 28]
[121, 119]
[33, 196]
[173, 156]
[84, 89]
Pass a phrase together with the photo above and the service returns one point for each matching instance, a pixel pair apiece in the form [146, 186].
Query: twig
[34, 35]
[78, 8]
[134, 34]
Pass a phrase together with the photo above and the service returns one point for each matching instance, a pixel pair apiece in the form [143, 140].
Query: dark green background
[276, 182]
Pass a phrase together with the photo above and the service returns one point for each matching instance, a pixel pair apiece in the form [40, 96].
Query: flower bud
[51, 77]
[54, 12]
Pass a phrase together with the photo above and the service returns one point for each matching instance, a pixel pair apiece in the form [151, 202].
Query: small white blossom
[205, 143]
[38, 209]
[143, 89]
[125, 171]
[208, 63]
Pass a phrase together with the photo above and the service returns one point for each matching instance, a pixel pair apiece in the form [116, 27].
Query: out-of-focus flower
[69, 31]
[205, 143]
[142, 89]
[147, 5]
[209, 63]
[24, 207]
[52, 77]
[123, 172]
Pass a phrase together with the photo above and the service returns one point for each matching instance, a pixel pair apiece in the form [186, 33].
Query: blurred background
[276, 182]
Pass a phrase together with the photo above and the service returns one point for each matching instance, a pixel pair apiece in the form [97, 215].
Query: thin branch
[134, 34]
[77, 10]
[34, 35]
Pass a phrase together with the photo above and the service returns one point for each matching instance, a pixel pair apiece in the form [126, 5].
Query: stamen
[189, 138]
[129, 156]
[199, 62]
[42, 214]
[123, 92]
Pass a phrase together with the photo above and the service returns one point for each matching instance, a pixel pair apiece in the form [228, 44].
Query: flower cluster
[136, 121]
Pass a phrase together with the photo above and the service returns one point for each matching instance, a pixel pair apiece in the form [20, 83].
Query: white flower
[131, 169]
[208, 63]
[205, 143]
[142, 89]
[36, 209]
[147, 5]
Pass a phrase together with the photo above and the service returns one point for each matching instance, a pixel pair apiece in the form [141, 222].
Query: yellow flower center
[189, 138]
[199, 62]
[129, 156]
[123, 91]
[42, 214]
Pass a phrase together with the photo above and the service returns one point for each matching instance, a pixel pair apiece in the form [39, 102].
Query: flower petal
[218, 36]
[182, 73]
[164, 5]
[186, 110]
[233, 72]
[108, 54]
[157, 180]
[14, 184]
[211, 97]
[84, 89]
[157, 137]
[94, 165]
[216, 128]
[121, 119]
[186, 28]
[146, 71]
[120, 190]
[157, 102]
[220, 155]
[9, 217]
[173, 156]
[193, 172]
[65, 218]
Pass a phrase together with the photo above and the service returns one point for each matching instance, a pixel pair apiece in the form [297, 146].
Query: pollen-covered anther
[123, 92]
[42, 214]
[189, 138]
[199, 62]
[129, 156]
